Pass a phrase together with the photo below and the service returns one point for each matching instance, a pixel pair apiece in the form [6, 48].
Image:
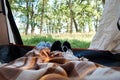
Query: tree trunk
[76, 27]
[71, 15]
[96, 20]
[32, 21]
[42, 15]
[27, 26]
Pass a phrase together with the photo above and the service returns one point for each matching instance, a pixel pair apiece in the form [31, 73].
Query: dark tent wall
[8, 29]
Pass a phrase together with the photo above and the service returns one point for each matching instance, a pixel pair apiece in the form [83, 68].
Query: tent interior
[11, 45]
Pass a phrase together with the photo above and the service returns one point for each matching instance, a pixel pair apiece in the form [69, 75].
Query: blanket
[45, 65]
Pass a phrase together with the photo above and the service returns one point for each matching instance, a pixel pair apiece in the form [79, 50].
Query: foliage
[57, 16]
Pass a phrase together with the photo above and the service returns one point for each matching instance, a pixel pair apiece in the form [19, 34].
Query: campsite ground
[77, 40]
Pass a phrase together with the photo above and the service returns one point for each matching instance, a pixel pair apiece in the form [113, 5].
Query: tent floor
[11, 52]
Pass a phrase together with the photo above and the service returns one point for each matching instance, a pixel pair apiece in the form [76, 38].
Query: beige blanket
[46, 65]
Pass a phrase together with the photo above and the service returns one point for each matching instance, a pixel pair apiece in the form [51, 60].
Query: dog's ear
[66, 45]
[56, 46]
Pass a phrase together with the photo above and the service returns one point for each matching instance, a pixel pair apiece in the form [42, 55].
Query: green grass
[77, 40]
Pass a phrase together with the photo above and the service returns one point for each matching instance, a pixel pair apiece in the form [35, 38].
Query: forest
[56, 16]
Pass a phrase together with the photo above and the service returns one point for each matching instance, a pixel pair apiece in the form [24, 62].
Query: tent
[108, 35]
[20, 62]
[11, 43]
[9, 35]
[8, 29]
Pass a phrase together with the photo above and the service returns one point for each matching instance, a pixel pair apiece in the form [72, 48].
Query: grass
[77, 40]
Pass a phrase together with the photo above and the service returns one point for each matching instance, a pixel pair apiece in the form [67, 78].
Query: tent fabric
[8, 29]
[107, 36]
[3, 26]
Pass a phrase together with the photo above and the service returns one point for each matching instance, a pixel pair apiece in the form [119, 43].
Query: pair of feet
[58, 46]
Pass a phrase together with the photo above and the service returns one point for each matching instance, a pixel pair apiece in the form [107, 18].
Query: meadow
[77, 40]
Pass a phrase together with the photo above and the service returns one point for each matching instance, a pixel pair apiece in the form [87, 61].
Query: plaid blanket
[45, 65]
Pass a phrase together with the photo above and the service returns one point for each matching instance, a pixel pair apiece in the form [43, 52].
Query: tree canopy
[57, 16]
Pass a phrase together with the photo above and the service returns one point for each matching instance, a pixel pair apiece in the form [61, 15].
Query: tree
[71, 15]
[22, 8]
[42, 15]
[57, 15]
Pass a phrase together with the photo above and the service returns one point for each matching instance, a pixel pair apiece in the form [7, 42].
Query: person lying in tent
[55, 62]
